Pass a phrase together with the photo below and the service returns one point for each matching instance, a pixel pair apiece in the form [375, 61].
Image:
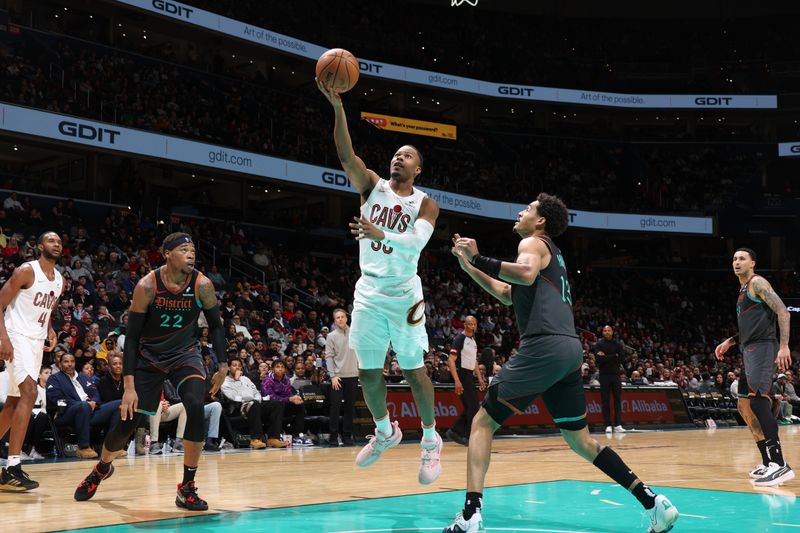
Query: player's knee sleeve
[192, 393]
[118, 437]
[572, 424]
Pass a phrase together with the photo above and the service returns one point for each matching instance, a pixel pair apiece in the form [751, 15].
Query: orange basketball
[338, 68]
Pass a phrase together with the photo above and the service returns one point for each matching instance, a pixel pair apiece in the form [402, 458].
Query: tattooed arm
[764, 290]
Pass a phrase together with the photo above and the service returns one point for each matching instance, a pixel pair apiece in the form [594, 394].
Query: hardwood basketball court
[539, 485]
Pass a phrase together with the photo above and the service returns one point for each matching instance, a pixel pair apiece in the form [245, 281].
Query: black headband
[177, 242]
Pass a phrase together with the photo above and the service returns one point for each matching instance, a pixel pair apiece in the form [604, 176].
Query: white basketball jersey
[393, 214]
[28, 313]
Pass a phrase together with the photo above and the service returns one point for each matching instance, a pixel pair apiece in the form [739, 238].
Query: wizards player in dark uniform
[162, 343]
[548, 361]
[757, 310]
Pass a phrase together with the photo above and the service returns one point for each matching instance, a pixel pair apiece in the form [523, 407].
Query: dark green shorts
[548, 366]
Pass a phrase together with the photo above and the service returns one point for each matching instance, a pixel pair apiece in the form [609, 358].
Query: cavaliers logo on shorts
[416, 313]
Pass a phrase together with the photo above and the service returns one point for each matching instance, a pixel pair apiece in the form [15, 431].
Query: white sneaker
[619, 429]
[775, 475]
[758, 472]
[25, 457]
[609, 429]
[430, 467]
[36, 455]
[473, 525]
[378, 444]
[662, 516]
[305, 440]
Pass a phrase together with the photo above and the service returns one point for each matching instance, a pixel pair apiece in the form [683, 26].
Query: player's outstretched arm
[412, 241]
[523, 271]
[21, 278]
[763, 289]
[362, 178]
[501, 291]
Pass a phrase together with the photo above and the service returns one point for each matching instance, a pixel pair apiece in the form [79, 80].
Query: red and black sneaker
[88, 486]
[188, 499]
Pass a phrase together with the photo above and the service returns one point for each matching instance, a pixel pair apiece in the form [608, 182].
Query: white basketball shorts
[384, 314]
[27, 361]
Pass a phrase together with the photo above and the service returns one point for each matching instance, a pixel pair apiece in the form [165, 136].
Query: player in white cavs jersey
[26, 302]
[396, 222]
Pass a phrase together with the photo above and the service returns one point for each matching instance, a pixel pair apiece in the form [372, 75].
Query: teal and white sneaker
[663, 516]
[473, 525]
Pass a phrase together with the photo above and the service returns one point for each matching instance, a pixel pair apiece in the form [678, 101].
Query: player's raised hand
[332, 96]
[364, 229]
[462, 261]
[784, 359]
[468, 247]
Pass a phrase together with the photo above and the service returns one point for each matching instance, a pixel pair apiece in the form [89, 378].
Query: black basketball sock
[103, 467]
[614, 467]
[774, 451]
[188, 474]
[762, 409]
[762, 447]
[473, 502]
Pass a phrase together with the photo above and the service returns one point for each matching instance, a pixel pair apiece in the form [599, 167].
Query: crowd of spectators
[671, 320]
[131, 90]
[618, 53]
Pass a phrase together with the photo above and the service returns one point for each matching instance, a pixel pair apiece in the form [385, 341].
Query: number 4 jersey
[29, 313]
[170, 329]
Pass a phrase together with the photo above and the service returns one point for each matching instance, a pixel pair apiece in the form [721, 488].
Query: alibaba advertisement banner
[658, 406]
[407, 125]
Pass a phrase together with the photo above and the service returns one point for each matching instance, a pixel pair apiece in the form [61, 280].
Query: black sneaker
[211, 447]
[456, 437]
[188, 499]
[348, 440]
[13, 479]
[88, 486]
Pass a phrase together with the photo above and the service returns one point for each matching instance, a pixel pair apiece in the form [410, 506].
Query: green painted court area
[552, 507]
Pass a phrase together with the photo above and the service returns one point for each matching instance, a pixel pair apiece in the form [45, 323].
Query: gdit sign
[172, 9]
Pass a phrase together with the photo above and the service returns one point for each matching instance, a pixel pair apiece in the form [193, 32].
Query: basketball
[338, 68]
